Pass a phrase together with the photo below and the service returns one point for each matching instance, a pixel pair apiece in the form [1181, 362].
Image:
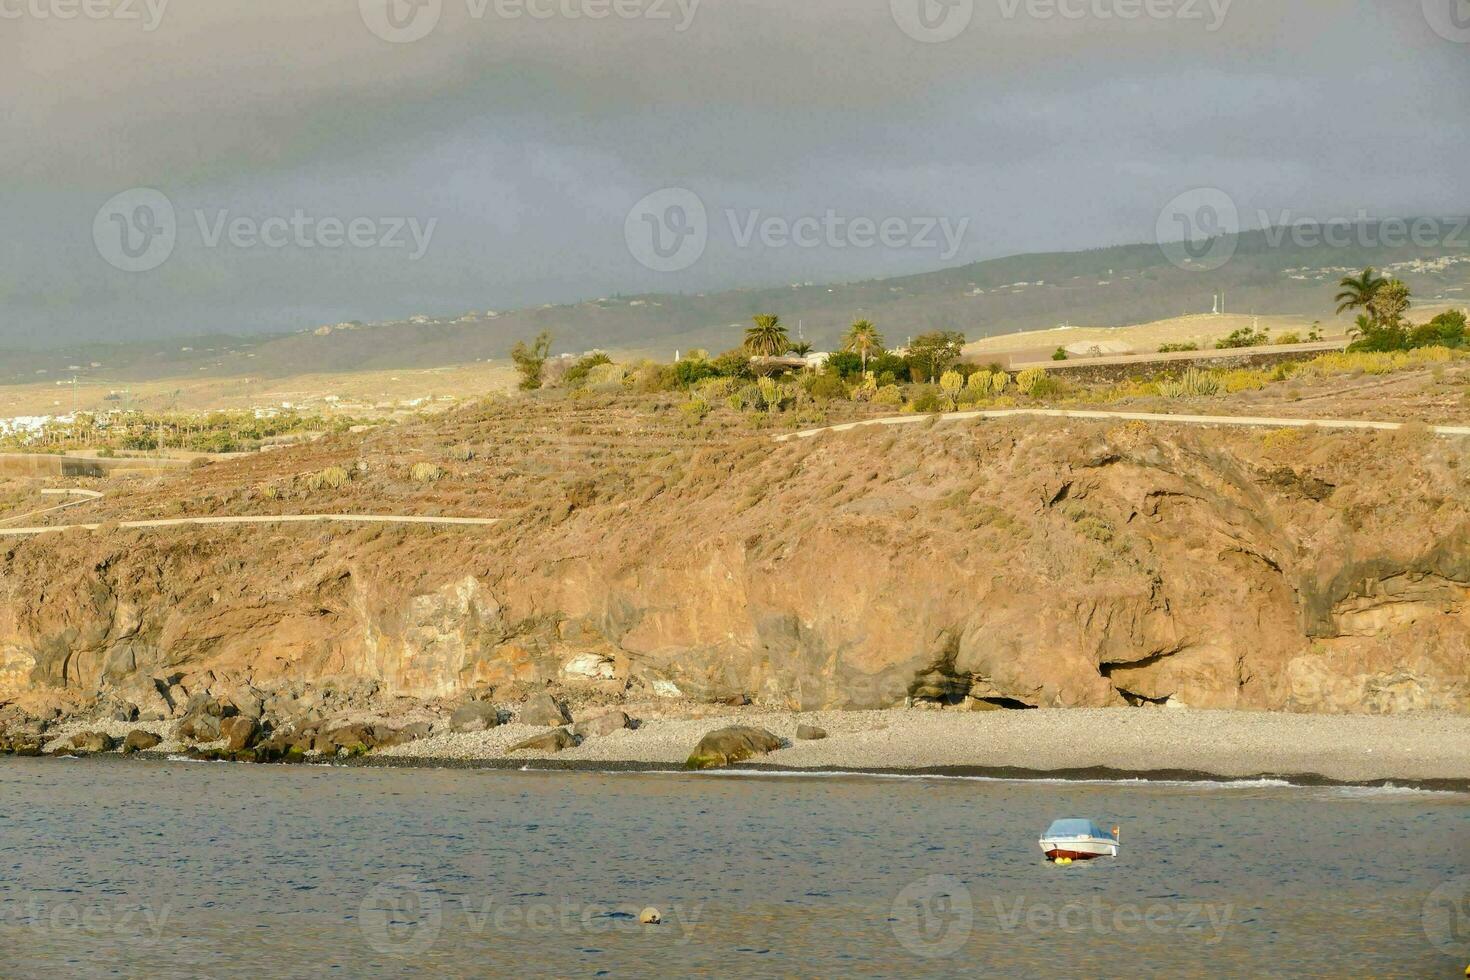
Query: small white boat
[1066, 841]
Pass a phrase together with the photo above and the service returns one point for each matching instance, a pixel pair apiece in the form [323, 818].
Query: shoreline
[1086, 776]
[1428, 751]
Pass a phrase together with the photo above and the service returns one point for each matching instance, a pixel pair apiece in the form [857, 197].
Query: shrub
[1031, 381]
[605, 375]
[695, 409]
[927, 399]
[1244, 337]
[579, 373]
[1289, 338]
[331, 478]
[889, 394]
[1060, 355]
[1177, 348]
[846, 364]
[426, 473]
[462, 454]
[827, 386]
[1193, 383]
[951, 382]
[732, 364]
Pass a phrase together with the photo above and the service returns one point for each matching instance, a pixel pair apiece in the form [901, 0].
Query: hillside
[646, 553]
[1107, 287]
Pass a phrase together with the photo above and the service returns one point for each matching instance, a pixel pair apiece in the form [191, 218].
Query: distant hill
[1106, 287]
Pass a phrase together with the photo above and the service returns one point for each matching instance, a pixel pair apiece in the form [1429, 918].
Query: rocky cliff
[1024, 563]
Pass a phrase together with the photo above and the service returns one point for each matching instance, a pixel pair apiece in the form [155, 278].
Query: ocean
[125, 868]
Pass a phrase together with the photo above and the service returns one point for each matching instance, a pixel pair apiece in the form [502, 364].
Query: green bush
[1244, 337]
[1177, 348]
[426, 473]
[827, 386]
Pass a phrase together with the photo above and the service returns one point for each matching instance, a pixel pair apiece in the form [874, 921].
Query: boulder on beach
[602, 725]
[389, 737]
[92, 742]
[474, 716]
[730, 745]
[553, 741]
[139, 740]
[201, 727]
[239, 732]
[542, 709]
[810, 733]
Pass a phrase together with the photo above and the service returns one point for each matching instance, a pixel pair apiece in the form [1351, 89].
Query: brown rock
[139, 740]
[731, 745]
[474, 716]
[555, 740]
[92, 742]
[602, 725]
[200, 728]
[810, 733]
[542, 709]
[239, 732]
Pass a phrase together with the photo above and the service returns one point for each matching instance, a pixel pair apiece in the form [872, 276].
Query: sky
[181, 167]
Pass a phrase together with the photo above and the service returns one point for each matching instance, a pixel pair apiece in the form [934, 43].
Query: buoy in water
[650, 917]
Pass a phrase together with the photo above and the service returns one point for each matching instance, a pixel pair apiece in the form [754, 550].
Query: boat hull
[1079, 850]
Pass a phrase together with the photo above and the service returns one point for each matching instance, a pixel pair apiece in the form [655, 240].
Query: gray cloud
[529, 139]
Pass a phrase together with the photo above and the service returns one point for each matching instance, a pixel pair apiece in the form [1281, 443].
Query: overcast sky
[516, 145]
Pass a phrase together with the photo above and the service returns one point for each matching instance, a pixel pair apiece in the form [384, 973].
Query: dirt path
[1245, 421]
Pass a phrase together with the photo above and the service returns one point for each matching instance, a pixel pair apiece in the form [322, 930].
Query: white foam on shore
[1355, 792]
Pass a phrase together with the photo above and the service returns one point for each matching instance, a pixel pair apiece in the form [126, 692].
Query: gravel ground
[1224, 743]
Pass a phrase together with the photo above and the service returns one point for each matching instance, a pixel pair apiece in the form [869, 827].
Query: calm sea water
[206, 870]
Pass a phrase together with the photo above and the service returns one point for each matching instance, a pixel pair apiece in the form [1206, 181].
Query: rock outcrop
[1017, 564]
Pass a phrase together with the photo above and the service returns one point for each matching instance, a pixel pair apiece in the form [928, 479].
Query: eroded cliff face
[1018, 563]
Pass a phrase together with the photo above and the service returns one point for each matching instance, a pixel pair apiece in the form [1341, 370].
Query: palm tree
[863, 338]
[1358, 292]
[767, 338]
[801, 348]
